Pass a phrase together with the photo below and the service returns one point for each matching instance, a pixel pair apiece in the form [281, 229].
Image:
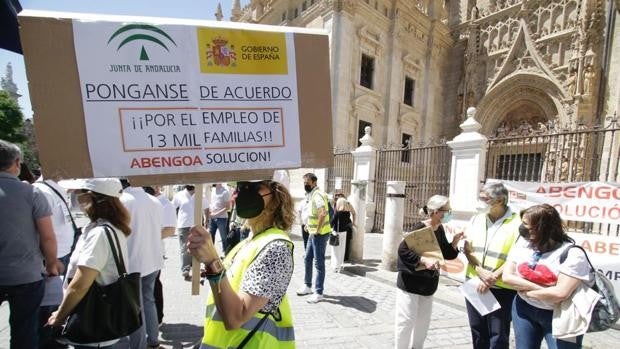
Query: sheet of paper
[484, 303]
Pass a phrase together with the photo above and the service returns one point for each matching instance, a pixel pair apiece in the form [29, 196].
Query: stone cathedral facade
[411, 68]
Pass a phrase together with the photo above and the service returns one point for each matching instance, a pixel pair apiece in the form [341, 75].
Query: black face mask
[249, 203]
[307, 188]
[524, 232]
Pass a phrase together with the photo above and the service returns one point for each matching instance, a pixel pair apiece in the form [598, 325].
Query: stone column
[364, 161]
[358, 201]
[467, 172]
[393, 225]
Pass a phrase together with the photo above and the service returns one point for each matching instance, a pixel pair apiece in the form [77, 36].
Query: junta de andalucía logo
[141, 32]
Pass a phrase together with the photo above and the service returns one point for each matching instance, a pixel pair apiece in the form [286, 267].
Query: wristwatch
[215, 267]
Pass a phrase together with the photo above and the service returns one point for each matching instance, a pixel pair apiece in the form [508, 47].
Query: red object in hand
[540, 274]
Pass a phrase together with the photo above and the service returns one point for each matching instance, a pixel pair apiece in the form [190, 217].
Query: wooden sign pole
[197, 220]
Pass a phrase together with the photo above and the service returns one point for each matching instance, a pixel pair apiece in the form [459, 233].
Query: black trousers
[304, 235]
[492, 331]
[158, 293]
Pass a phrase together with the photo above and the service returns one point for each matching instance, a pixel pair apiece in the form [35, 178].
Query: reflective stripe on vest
[499, 244]
[273, 333]
[313, 218]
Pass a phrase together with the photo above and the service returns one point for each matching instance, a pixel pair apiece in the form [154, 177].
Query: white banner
[165, 98]
[603, 251]
[597, 202]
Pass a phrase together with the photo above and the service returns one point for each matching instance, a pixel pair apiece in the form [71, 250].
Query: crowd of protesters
[47, 265]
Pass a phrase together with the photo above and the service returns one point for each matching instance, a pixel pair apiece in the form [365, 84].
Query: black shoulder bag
[607, 310]
[76, 231]
[107, 312]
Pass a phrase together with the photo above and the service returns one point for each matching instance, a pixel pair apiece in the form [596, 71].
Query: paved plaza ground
[357, 312]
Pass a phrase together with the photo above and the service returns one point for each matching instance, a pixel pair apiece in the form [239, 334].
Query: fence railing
[341, 173]
[425, 168]
[550, 154]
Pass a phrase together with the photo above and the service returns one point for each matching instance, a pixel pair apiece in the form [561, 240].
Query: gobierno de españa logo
[141, 32]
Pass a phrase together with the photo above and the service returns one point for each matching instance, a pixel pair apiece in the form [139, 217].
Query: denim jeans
[220, 224]
[148, 333]
[315, 251]
[532, 324]
[492, 330]
[186, 258]
[24, 301]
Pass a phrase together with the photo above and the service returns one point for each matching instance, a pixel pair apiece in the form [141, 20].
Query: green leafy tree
[11, 119]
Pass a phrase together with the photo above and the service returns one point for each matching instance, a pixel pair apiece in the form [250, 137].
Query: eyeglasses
[442, 210]
[485, 199]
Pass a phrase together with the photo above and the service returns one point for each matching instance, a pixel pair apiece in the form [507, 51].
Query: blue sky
[196, 9]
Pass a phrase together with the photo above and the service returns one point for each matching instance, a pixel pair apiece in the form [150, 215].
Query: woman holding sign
[248, 305]
[418, 276]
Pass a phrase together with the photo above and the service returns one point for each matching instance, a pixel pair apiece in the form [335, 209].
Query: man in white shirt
[220, 204]
[169, 221]
[61, 217]
[56, 196]
[184, 202]
[144, 248]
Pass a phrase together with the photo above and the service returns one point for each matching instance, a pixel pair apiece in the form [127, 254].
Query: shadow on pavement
[180, 335]
[359, 269]
[356, 302]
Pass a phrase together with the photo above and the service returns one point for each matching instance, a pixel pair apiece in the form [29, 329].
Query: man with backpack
[318, 229]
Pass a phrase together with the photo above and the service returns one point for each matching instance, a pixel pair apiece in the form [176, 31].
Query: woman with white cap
[415, 287]
[92, 260]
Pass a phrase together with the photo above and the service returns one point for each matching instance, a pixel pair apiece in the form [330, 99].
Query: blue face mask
[446, 217]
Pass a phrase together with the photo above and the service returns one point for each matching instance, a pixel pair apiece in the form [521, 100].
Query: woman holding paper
[418, 276]
[542, 280]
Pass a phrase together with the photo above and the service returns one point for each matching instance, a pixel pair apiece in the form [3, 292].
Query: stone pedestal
[364, 159]
[467, 172]
[393, 225]
[358, 201]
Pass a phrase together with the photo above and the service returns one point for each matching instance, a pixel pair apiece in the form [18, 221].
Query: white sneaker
[315, 298]
[304, 291]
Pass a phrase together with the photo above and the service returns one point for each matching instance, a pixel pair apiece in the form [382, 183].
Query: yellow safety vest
[277, 329]
[313, 218]
[497, 244]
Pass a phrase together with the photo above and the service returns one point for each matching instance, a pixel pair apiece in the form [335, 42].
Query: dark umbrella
[9, 32]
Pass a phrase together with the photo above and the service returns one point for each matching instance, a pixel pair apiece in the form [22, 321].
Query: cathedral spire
[236, 11]
[218, 12]
[8, 84]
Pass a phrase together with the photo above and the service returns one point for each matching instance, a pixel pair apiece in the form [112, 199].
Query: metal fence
[425, 168]
[340, 175]
[551, 154]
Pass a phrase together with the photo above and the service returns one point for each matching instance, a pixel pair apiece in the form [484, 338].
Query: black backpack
[607, 310]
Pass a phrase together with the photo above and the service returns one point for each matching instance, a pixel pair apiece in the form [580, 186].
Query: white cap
[105, 186]
[437, 201]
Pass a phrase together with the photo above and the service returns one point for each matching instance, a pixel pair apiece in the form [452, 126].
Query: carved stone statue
[571, 84]
[588, 81]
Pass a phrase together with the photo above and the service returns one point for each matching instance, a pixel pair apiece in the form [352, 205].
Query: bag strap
[251, 334]
[565, 254]
[118, 257]
[64, 201]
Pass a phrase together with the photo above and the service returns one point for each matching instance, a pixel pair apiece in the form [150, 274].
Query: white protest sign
[597, 202]
[604, 253]
[163, 99]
